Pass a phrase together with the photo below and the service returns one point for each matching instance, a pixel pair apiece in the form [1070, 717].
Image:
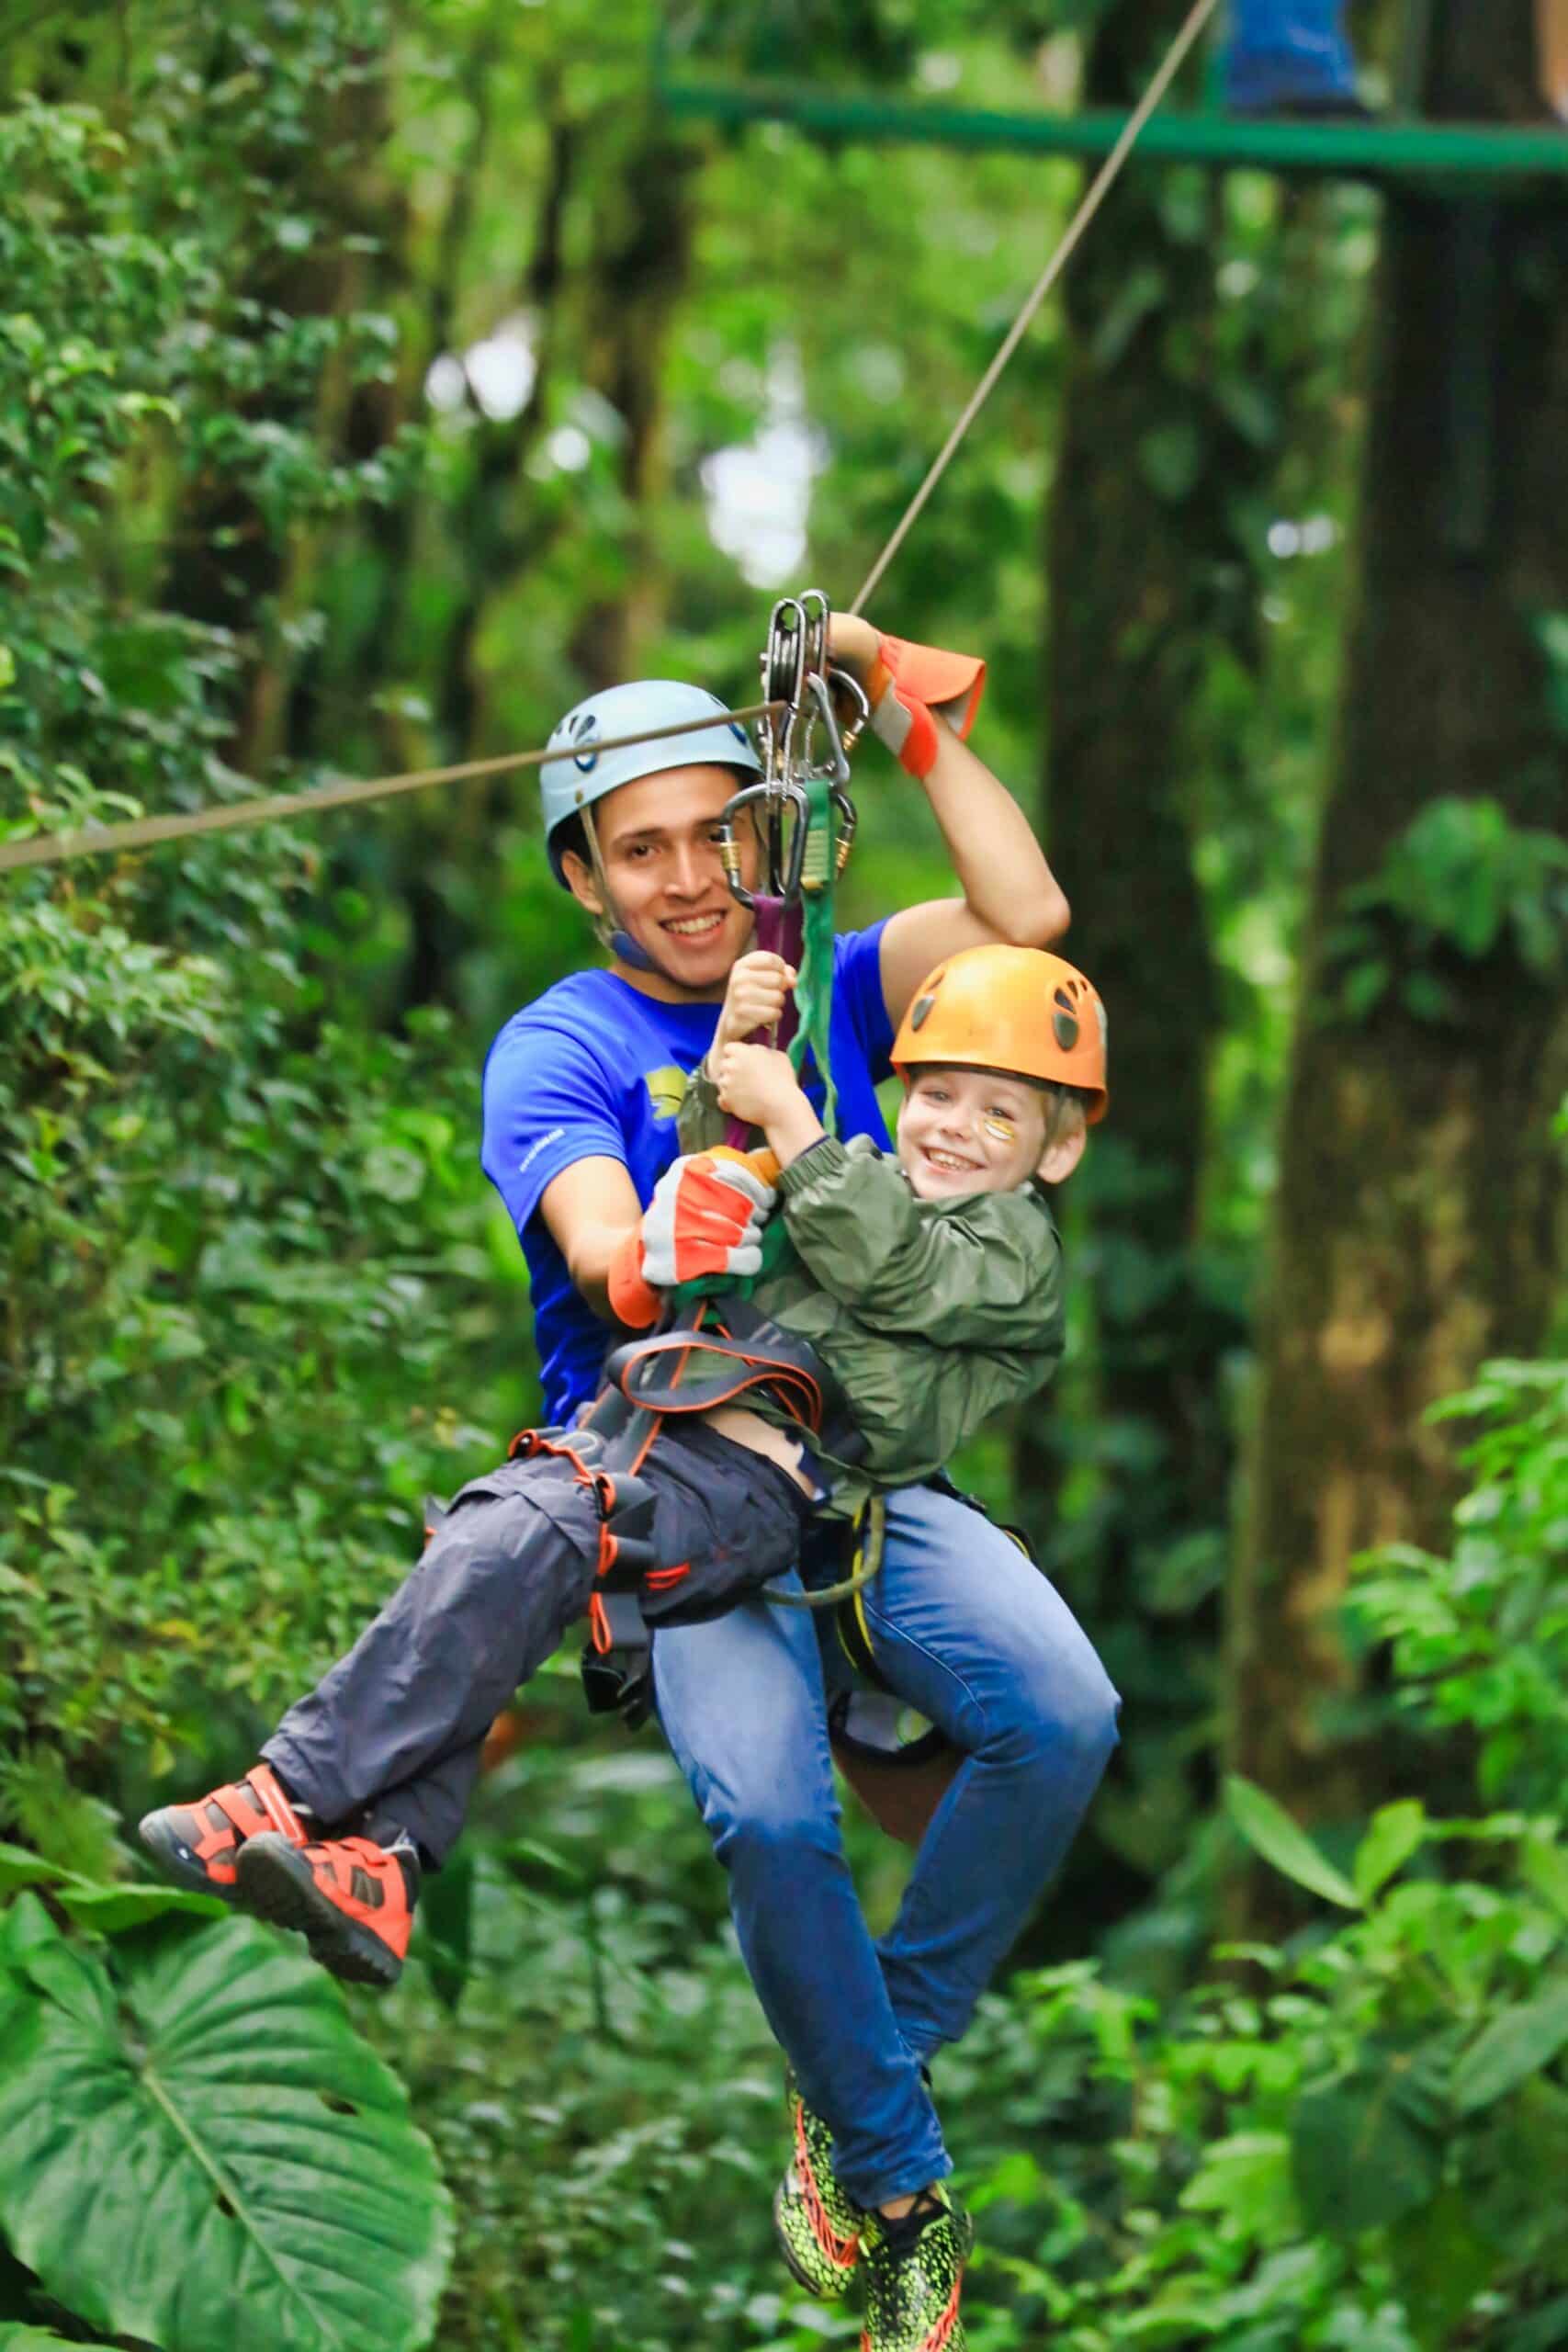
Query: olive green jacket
[927, 1315]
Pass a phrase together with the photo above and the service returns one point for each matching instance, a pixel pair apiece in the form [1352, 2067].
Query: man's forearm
[594, 1247]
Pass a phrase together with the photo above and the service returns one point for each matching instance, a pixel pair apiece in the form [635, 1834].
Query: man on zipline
[581, 1095]
[585, 1086]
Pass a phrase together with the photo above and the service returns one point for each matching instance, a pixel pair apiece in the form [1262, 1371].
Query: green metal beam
[1495, 154]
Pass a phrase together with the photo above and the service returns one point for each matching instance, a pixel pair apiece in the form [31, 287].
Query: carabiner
[819, 710]
[784, 871]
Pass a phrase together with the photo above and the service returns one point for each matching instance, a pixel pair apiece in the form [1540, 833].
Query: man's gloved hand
[907, 683]
[706, 1217]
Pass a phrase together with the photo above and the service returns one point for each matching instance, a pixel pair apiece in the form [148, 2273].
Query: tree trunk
[1419, 1187]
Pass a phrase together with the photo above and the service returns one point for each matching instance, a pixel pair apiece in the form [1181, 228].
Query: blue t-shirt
[594, 1069]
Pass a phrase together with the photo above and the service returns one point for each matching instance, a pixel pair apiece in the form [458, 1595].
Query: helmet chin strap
[607, 923]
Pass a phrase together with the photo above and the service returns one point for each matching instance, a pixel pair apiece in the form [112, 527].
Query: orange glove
[706, 1217]
[907, 685]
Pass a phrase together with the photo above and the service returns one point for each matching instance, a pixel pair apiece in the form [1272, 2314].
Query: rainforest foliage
[375, 376]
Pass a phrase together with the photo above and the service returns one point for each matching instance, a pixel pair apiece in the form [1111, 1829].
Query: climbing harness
[715, 1352]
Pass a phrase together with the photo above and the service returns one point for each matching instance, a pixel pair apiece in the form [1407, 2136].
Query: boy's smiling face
[970, 1131]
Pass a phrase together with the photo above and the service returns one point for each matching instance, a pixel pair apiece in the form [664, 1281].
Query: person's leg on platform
[1289, 54]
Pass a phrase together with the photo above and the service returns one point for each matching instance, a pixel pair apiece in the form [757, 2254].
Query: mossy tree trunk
[1420, 1189]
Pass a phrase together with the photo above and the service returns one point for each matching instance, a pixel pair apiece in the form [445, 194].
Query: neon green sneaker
[816, 2227]
[914, 2272]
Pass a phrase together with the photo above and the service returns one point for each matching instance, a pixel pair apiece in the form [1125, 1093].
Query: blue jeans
[972, 1635]
[1286, 49]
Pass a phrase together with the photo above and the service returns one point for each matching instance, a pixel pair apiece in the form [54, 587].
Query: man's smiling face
[659, 842]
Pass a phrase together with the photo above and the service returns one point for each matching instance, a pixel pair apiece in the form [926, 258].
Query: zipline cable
[1093, 198]
[144, 833]
[140, 832]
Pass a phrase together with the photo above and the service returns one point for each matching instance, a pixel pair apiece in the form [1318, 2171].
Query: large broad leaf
[1513, 2047]
[1268, 1828]
[111, 1910]
[201, 2152]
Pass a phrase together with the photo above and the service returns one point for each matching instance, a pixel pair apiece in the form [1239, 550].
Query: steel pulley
[805, 743]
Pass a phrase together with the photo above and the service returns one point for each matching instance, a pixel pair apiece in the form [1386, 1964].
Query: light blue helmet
[567, 785]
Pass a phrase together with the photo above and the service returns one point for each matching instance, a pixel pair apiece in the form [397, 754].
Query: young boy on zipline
[927, 1289]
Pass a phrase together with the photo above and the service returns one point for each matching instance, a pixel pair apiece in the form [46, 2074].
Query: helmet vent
[583, 731]
[1064, 1025]
[921, 1008]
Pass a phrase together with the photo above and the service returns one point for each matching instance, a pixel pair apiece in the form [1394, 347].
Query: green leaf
[1395, 1832]
[24, 1928]
[1363, 986]
[1442, 2263]
[1364, 2143]
[1545, 1866]
[1246, 2178]
[1269, 1830]
[1517, 2044]
[31, 2339]
[20, 1868]
[223, 2075]
[1545, 2330]
[110, 1910]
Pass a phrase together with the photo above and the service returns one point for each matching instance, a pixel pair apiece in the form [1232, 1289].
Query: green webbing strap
[814, 989]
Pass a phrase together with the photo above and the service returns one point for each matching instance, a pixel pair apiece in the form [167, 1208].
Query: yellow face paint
[1000, 1130]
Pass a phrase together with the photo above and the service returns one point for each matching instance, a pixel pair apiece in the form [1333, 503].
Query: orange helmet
[1013, 1009]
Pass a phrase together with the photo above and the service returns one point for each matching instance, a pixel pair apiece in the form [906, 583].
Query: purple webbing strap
[781, 930]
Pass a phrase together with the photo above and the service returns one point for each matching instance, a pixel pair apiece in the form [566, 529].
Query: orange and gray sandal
[351, 1899]
[198, 1844]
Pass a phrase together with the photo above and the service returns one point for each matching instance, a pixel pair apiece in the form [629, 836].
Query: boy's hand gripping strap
[907, 683]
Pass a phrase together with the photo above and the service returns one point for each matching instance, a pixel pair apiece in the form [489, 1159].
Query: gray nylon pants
[388, 1741]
